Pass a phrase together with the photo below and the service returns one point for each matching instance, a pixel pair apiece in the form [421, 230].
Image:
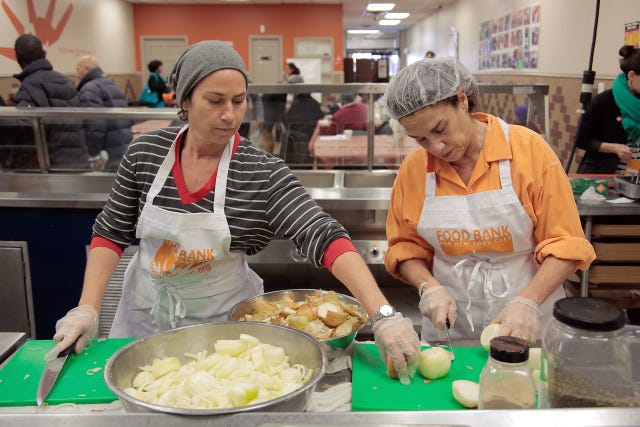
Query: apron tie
[177, 308]
[486, 267]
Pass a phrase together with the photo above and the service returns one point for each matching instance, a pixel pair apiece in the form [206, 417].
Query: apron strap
[177, 307]
[486, 268]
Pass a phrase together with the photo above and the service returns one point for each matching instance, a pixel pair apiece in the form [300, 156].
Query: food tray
[628, 186]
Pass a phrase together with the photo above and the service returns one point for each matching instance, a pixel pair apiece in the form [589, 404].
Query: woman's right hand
[398, 342]
[79, 323]
[437, 305]
[623, 152]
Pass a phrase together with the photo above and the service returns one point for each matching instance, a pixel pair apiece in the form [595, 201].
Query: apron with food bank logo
[184, 272]
[483, 252]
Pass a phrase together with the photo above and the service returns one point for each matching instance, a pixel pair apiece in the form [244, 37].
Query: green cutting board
[80, 381]
[373, 390]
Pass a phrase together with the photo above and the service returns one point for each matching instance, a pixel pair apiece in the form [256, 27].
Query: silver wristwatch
[384, 311]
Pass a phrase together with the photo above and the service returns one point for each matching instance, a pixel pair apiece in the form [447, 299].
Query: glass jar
[586, 356]
[506, 381]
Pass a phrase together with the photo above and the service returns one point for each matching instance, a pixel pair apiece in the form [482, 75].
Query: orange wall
[237, 22]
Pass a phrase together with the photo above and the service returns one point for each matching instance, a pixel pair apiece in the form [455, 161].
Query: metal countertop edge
[614, 417]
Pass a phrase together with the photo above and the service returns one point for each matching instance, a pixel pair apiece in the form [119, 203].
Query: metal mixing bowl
[331, 345]
[301, 348]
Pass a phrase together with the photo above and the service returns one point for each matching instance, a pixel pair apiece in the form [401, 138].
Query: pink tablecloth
[148, 125]
[331, 150]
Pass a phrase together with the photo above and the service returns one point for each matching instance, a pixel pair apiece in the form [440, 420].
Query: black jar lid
[591, 314]
[509, 349]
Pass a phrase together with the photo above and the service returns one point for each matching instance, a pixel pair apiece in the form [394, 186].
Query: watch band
[384, 311]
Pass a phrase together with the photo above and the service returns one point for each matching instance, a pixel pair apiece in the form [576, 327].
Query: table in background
[329, 150]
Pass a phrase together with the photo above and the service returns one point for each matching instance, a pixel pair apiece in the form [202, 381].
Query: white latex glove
[519, 318]
[437, 305]
[397, 340]
[79, 323]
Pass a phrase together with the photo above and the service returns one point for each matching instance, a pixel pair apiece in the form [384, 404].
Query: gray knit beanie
[198, 61]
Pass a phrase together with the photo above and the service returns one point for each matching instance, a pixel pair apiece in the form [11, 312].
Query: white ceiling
[354, 15]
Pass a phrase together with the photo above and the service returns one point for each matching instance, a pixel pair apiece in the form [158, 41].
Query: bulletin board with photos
[511, 41]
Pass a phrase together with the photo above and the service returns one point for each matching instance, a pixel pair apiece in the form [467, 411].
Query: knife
[453, 356]
[50, 374]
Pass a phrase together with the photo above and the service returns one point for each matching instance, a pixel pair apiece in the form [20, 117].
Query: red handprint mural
[42, 26]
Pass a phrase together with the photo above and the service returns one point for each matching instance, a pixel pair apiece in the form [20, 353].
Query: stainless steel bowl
[301, 348]
[332, 346]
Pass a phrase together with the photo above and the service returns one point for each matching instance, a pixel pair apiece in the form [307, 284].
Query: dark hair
[630, 60]
[471, 99]
[294, 69]
[28, 49]
[154, 65]
[430, 54]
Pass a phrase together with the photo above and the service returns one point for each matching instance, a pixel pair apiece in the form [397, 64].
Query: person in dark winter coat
[110, 136]
[301, 121]
[42, 87]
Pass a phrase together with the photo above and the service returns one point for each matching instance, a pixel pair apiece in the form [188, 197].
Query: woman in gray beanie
[482, 219]
[199, 197]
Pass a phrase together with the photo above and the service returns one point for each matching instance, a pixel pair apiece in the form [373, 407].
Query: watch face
[386, 310]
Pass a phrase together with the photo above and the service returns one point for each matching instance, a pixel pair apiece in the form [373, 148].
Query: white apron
[184, 272]
[483, 252]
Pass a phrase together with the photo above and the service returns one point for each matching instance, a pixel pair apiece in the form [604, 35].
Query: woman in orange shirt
[482, 219]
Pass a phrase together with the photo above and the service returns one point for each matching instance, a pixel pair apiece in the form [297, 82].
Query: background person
[430, 54]
[157, 83]
[352, 115]
[482, 220]
[203, 189]
[293, 73]
[41, 86]
[610, 126]
[111, 136]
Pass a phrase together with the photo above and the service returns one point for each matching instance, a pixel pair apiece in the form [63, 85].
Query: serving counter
[107, 415]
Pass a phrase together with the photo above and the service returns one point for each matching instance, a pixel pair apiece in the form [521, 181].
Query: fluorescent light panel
[396, 15]
[380, 7]
[363, 31]
[389, 22]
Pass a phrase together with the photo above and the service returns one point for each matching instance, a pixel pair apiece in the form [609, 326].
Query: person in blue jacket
[108, 136]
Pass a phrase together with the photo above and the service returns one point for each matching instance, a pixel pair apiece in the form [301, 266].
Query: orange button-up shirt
[538, 179]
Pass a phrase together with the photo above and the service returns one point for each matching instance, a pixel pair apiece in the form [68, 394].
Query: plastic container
[586, 356]
[506, 381]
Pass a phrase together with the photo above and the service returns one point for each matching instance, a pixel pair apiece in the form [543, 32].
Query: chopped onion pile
[240, 372]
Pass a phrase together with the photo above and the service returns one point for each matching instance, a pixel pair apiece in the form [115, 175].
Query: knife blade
[50, 374]
[453, 356]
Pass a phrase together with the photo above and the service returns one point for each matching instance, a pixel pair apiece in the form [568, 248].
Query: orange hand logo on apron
[483, 251]
[184, 272]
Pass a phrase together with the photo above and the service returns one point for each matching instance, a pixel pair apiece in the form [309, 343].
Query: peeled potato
[466, 392]
[491, 331]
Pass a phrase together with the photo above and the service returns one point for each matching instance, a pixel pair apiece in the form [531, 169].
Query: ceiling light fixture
[389, 22]
[380, 7]
[396, 15]
[363, 31]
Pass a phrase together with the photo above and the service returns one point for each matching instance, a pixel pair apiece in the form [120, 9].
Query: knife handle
[446, 322]
[69, 349]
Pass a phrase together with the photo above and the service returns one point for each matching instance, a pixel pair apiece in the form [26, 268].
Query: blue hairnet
[427, 82]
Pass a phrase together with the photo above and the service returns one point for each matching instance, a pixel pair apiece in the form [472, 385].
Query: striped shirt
[264, 199]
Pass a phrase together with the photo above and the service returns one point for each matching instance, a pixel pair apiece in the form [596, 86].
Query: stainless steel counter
[618, 417]
[9, 343]
[336, 190]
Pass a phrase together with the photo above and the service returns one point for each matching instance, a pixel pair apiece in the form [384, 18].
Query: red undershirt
[333, 251]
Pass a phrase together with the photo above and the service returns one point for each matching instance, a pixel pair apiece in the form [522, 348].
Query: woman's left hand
[519, 318]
